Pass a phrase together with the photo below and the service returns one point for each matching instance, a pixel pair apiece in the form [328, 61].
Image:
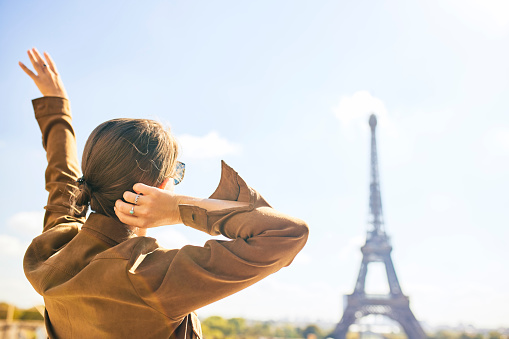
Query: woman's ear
[164, 184]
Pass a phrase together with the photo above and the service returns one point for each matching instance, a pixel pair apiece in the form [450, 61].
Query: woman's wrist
[56, 94]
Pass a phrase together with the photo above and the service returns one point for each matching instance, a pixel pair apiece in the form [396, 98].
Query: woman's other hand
[47, 79]
[158, 207]
[154, 207]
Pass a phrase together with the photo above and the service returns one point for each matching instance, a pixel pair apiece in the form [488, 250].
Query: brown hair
[118, 154]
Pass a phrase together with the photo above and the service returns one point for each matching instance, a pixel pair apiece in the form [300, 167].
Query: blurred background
[282, 91]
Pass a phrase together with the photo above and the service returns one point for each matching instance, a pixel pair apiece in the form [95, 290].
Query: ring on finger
[136, 199]
[131, 212]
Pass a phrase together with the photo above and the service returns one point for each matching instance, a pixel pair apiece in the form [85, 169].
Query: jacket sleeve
[263, 241]
[53, 115]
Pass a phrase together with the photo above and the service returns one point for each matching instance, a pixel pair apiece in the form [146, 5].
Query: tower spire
[375, 199]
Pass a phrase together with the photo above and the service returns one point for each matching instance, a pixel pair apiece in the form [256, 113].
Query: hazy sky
[282, 91]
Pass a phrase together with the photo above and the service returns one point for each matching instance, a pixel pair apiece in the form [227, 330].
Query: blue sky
[282, 90]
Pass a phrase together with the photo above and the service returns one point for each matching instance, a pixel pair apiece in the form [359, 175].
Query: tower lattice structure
[377, 248]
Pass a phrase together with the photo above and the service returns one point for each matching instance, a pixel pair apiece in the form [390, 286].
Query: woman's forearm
[211, 204]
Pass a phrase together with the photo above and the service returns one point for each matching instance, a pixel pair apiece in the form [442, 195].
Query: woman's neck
[139, 232]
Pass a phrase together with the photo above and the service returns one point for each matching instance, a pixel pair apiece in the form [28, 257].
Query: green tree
[290, 331]
[216, 327]
[30, 314]
[259, 329]
[237, 326]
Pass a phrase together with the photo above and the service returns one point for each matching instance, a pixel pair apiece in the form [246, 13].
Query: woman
[102, 277]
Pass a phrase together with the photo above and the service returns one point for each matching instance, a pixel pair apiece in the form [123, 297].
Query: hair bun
[82, 197]
[84, 194]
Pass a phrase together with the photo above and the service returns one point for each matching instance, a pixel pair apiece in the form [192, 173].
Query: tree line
[216, 327]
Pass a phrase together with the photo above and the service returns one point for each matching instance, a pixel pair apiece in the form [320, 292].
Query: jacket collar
[107, 229]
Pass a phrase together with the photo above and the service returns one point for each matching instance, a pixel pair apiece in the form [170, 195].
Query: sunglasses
[179, 172]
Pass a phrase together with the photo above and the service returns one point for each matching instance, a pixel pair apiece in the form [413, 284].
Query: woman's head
[118, 154]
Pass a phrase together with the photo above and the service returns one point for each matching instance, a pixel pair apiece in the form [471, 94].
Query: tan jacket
[98, 281]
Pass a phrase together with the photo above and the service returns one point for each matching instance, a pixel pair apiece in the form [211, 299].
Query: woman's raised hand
[153, 207]
[47, 78]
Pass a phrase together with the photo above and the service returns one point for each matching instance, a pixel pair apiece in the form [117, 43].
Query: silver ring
[136, 199]
[131, 212]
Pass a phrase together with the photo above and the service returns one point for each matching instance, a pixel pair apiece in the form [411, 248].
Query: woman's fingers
[154, 208]
[126, 208]
[37, 60]
[38, 57]
[138, 218]
[131, 197]
[27, 71]
[144, 189]
[33, 60]
[127, 219]
[51, 63]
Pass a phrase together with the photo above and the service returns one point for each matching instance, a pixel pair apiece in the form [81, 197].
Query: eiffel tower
[395, 304]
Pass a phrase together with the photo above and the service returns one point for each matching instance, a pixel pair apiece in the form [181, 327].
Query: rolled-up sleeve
[263, 240]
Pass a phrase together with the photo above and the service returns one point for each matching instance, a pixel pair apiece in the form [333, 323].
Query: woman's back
[86, 287]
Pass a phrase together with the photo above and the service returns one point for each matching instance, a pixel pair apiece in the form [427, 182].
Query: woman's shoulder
[132, 248]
